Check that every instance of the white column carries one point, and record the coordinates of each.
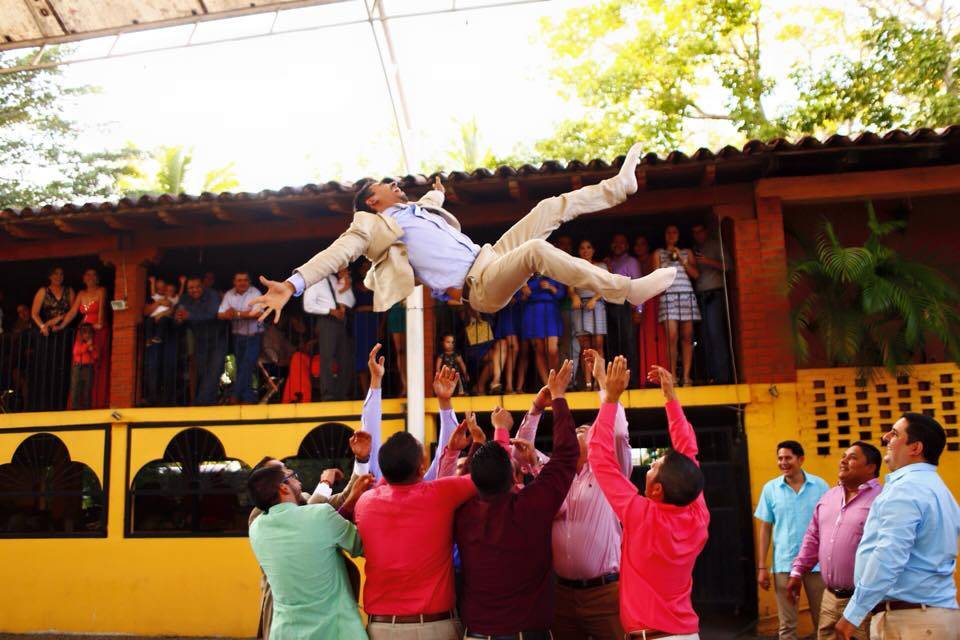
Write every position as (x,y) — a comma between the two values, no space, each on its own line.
(416,391)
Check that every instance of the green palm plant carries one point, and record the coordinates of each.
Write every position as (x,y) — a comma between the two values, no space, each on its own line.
(867,306)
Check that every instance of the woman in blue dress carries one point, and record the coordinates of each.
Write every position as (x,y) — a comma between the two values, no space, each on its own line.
(506,333)
(542,325)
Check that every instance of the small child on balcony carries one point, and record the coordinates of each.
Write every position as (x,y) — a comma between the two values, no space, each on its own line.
(159,322)
(450,358)
(84,357)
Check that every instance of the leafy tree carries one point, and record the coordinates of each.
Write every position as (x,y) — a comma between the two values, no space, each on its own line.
(172,173)
(42,161)
(868,306)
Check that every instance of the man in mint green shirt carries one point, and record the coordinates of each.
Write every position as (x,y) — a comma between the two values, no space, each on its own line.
(297,546)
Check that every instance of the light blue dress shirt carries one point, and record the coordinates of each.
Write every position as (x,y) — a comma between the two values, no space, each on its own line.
(440,255)
(909,547)
(790,513)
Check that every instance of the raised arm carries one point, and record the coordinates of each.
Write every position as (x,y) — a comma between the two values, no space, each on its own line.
(616,487)
(444,386)
(682,436)
(371,416)
(529,426)
(621,428)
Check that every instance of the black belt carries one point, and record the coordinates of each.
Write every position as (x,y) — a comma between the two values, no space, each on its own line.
(841,593)
(896,605)
(591,583)
(523,635)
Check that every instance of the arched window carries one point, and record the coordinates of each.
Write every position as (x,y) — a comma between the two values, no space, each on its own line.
(325,447)
(42,492)
(194,490)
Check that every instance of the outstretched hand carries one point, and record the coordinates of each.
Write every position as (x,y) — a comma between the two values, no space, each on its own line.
(277,295)
(542,401)
(618,376)
(501,418)
(361,444)
(526,450)
(438,186)
(598,365)
(445,383)
(659,375)
(376,366)
(460,438)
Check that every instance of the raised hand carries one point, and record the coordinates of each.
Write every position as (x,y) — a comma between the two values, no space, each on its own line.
(475,431)
(360,485)
(659,375)
(501,418)
(361,444)
(331,476)
(528,453)
(445,383)
(542,401)
(597,364)
(438,185)
(376,367)
(617,378)
(460,438)
(557,381)
(277,295)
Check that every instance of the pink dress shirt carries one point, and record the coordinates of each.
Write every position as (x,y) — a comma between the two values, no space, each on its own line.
(834,534)
(661,541)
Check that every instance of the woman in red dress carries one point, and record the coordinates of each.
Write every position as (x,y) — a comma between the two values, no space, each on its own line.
(652,335)
(90,302)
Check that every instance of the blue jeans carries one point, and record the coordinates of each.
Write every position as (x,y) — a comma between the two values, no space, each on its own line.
(210,348)
(713,329)
(247,350)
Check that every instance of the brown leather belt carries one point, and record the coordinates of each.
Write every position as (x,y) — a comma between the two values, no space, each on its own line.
(460,295)
(843,594)
(589,584)
(412,619)
(896,605)
(649,634)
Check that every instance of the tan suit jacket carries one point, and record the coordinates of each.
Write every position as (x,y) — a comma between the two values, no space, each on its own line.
(377,237)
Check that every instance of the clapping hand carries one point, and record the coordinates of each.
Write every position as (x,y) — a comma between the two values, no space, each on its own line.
(557,381)
(277,295)
(361,444)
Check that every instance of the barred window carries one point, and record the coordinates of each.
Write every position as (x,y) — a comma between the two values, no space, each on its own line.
(194,490)
(44,493)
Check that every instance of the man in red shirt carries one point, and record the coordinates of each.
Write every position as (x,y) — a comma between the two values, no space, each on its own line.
(406,526)
(504,535)
(664,530)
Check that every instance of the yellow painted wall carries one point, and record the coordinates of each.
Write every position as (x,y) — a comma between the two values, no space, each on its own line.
(208,586)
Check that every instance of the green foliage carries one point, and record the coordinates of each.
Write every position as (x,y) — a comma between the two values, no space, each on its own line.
(867,306)
(171,174)
(642,70)
(42,161)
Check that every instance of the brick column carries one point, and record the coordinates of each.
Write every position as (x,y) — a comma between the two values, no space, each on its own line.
(767,349)
(130,285)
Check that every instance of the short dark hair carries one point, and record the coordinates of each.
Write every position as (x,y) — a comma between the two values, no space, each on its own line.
(793,445)
(491,470)
(263,485)
(400,457)
(264,460)
(929,433)
(872,454)
(681,479)
(364,193)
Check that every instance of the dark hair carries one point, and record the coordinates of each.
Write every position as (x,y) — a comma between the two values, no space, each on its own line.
(263,486)
(681,479)
(929,433)
(400,457)
(364,193)
(491,470)
(242,272)
(52,269)
(872,454)
(264,460)
(793,445)
(698,224)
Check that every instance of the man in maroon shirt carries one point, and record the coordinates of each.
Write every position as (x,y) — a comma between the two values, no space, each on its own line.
(504,537)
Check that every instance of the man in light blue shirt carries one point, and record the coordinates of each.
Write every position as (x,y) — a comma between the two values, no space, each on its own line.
(239,308)
(908,553)
(785,509)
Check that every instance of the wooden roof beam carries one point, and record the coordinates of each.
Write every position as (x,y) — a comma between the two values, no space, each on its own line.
(127,222)
(79,227)
(30,232)
(171,219)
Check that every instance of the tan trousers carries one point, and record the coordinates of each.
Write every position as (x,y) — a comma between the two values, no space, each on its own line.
(585,613)
(931,623)
(787,609)
(502,268)
(831,610)
(439,630)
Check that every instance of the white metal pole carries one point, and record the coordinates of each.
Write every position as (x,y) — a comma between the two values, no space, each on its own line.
(416,378)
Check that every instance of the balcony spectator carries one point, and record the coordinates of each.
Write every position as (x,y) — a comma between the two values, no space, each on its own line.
(328,302)
(85,357)
(22,322)
(160,352)
(366,327)
(506,332)
(210,284)
(449,357)
(652,335)
(678,305)
(48,379)
(479,335)
(198,312)
(589,314)
(542,324)
(567,345)
(91,303)
(246,331)
(710,295)
(622,338)
(397,328)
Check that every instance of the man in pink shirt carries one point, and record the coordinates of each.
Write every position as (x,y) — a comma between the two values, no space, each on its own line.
(406,525)
(834,535)
(664,530)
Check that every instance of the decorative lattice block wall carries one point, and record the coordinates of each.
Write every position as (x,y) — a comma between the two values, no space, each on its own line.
(835,408)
